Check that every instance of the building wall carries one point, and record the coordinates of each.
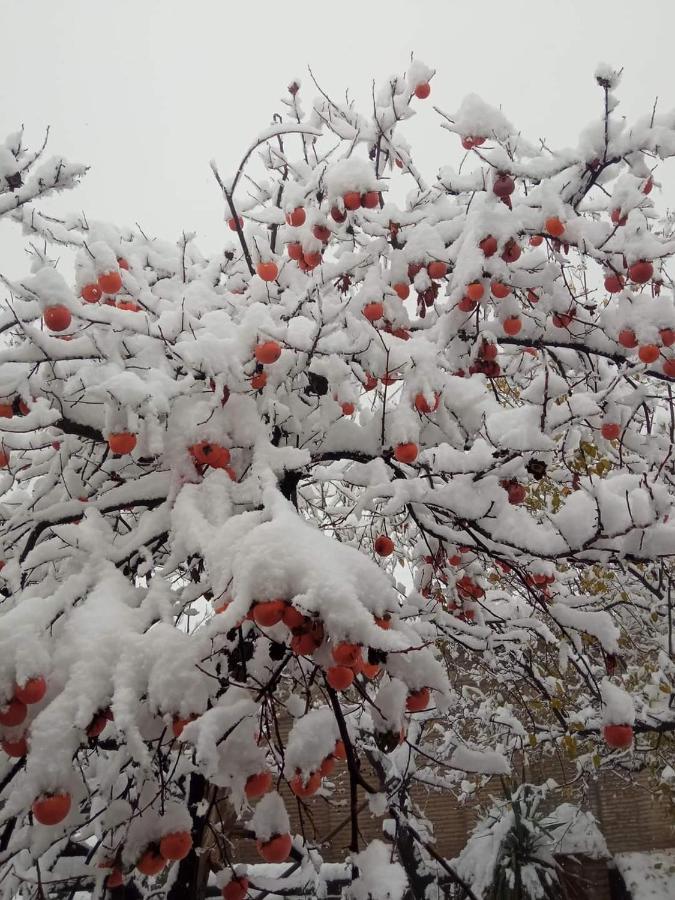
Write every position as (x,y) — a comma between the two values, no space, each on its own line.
(630,817)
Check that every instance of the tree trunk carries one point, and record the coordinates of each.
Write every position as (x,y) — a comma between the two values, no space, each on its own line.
(190,883)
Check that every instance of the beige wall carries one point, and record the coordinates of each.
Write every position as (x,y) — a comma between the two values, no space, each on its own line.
(630,817)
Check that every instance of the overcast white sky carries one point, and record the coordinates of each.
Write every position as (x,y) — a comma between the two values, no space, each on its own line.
(147,91)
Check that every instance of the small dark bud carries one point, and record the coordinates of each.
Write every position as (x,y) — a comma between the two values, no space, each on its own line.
(318,384)
(277,651)
(14,181)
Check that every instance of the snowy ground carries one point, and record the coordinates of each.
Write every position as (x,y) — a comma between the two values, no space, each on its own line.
(648,876)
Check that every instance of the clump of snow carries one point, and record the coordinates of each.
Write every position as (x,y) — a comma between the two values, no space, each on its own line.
(617,705)
(418,73)
(483,761)
(576,831)
(270,818)
(607,76)
(380,877)
(476,118)
(311,739)
(50,287)
(388,713)
(352,174)
(648,876)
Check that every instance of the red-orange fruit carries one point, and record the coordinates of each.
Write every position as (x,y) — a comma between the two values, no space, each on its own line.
(554,227)
(277,849)
(268,271)
(13,713)
(418,700)
(346,654)
(96,726)
(122,442)
(437,269)
(352,200)
(268,613)
(257,785)
(312,260)
(383,546)
(618,737)
(32,691)
(475,290)
(617,218)
(57,317)
(516,493)
(641,271)
(373,311)
(422,405)
(151,862)
(327,766)
(51,809)
(628,339)
(302,787)
(179,724)
(91,293)
(321,233)
(500,290)
(503,185)
(175,845)
(268,352)
(339,677)
(115,879)
(293,618)
(110,282)
(488,245)
(512,325)
(406,453)
(237,889)
(206,453)
(511,252)
(16,749)
(296,217)
(613,283)
(370,670)
(303,644)
(648,353)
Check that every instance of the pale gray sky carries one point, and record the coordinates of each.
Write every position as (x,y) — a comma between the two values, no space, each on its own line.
(147,91)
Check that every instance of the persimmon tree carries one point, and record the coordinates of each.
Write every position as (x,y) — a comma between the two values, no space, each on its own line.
(395,466)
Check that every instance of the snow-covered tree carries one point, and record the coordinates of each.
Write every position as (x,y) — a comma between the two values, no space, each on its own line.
(396,466)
